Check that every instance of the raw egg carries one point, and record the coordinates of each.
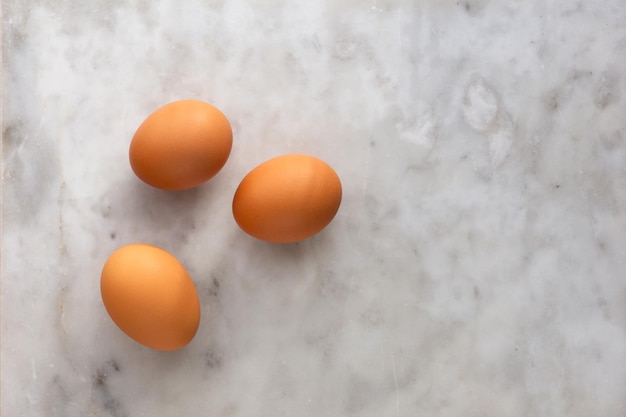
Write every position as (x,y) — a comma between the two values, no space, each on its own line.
(181,145)
(287,199)
(150,296)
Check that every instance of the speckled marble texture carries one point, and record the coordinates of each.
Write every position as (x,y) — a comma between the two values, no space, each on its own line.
(477,266)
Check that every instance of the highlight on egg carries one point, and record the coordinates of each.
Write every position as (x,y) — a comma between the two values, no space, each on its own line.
(287,199)
(150,296)
(181,145)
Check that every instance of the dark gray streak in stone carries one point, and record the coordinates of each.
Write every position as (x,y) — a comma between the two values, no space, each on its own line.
(100,383)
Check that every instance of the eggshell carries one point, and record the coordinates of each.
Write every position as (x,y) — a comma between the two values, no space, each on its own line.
(181,145)
(287,199)
(150,296)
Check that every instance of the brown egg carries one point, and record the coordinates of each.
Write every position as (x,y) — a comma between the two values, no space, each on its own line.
(181,145)
(287,199)
(150,296)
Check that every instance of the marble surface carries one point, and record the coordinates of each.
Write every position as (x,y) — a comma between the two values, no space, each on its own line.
(477,264)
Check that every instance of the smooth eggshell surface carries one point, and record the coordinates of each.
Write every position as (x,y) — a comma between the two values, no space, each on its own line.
(150,296)
(287,199)
(181,145)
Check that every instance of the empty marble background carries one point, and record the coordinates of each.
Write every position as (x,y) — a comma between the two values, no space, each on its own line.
(476,267)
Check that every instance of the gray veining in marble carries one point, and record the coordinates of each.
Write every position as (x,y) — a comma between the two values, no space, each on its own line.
(477,266)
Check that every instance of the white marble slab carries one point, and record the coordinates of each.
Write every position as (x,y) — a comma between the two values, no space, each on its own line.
(477,264)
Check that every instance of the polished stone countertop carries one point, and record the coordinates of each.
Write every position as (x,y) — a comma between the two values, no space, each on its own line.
(477,265)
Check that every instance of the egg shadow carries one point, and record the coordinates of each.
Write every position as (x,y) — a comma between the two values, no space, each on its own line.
(144,214)
(287,262)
